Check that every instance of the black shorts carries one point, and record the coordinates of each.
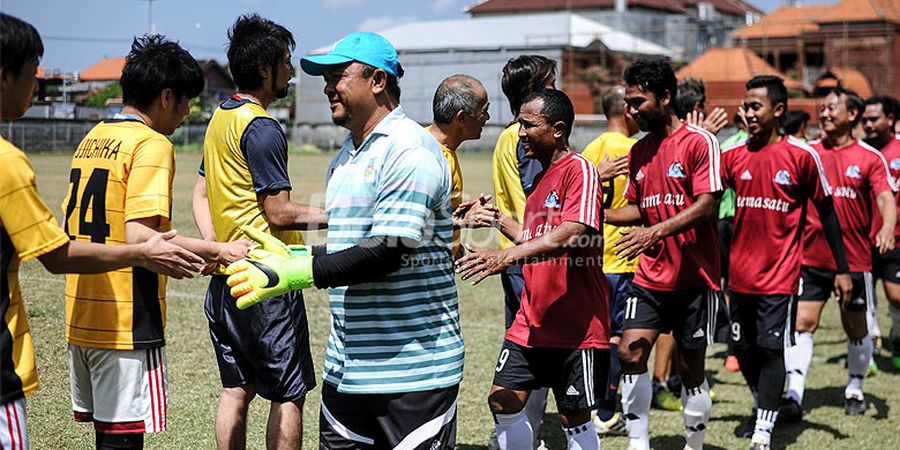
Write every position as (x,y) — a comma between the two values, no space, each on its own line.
(689,314)
(765,321)
(887,267)
(619,291)
(578,377)
(818,284)
(423,420)
(266,345)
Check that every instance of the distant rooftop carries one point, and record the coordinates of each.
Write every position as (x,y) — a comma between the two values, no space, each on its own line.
(734,7)
(548,30)
(736,65)
(108,69)
(791,21)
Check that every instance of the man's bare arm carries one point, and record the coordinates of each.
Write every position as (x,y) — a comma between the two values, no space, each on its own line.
(281,212)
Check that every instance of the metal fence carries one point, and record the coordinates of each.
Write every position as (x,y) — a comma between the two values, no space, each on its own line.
(65,135)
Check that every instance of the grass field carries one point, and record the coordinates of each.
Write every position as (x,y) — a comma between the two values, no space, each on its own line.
(194,380)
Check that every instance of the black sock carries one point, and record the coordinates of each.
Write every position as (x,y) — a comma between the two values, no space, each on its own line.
(749,361)
(128,441)
(772,371)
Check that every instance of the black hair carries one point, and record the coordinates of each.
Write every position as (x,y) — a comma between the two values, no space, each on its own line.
(794,120)
(393,83)
(775,89)
(888,105)
(653,75)
(523,75)
(853,101)
(255,42)
(20,44)
(691,91)
(557,107)
(155,64)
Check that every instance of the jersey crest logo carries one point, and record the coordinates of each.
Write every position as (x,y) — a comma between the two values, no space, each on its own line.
(676,171)
(370,169)
(783,178)
(895,164)
(639,176)
(552,200)
(746,176)
(853,171)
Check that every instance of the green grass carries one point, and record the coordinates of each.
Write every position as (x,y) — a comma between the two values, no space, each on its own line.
(194,380)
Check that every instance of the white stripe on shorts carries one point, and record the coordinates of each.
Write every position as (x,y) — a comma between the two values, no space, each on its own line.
(342,430)
(428,430)
(13,427)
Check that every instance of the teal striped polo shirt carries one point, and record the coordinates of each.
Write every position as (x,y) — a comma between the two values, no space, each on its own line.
(400,333)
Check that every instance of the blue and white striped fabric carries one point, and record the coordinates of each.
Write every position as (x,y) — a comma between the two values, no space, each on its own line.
(401,333)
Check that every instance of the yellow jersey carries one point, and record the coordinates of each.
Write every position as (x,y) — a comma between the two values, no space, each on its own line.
(613,145)
(121,171)
(513,175)
(244,155)
(27,230)
(456,188)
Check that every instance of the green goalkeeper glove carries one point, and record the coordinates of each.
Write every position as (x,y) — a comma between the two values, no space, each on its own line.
(269,270)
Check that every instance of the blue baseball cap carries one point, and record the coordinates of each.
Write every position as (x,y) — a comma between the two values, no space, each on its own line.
(368,48)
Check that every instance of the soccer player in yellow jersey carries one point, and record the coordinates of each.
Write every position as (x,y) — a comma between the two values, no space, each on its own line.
(244,182)
(513,177)
(460,111)
(29,230)
(609,152)
(121,192)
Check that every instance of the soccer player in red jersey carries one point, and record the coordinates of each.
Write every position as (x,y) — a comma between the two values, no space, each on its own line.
(673,186)
(774,178)
(877,121)
(559,338)
(857,173)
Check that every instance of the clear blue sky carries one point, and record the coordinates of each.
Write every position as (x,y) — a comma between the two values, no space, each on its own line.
(78,33)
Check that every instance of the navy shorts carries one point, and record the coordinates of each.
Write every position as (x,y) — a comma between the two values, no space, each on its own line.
(619,291)
(266,345)
(513,282)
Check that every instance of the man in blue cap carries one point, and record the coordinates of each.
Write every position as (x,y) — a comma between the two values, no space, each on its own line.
(394,359)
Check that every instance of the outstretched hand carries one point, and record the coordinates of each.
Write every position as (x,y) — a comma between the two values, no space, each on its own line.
(480,263)
(166,258)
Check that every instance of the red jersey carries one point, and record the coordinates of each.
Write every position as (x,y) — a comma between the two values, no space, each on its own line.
(773,186)
(856,174)
(891,152)
(664,178)
(565,303)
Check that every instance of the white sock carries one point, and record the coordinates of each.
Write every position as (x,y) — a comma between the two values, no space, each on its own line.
(796,361)
(859,353)
(636,396)
(894,312)
(582,437)
(696,403)
(513,431)
(534,410)
(765,421)
(872,318)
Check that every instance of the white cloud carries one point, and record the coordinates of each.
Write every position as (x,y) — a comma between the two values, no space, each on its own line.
(443,5)
(382,23)
(340,4)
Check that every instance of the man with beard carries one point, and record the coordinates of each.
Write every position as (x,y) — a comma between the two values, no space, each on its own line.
(243,182)
(877,121)
(673,187)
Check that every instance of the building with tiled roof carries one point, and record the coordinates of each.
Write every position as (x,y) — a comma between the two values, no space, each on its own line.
(856,37)
(107,69)
(688,27)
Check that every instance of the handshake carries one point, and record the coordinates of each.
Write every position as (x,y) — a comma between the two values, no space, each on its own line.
(270,269)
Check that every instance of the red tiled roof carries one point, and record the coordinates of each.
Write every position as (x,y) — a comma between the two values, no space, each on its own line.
(863,11)
(784,22)
(736,64)
(849,78)
(108,69)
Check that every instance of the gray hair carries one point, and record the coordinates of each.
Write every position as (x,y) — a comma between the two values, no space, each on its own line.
(614,102)
(456,93)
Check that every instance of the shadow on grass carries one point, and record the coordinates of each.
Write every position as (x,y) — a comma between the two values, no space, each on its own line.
(834,396)
(675,442)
